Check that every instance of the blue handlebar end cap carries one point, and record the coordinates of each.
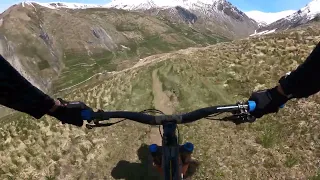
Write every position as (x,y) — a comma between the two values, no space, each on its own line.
(252,105)
(282,106)
(153,148)
(188,146)
(86,114)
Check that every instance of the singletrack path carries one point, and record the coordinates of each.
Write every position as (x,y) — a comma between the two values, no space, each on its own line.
(161,102)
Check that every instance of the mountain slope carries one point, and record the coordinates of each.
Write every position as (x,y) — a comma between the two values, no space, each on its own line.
(307,14)
(279,146)
(49,42)
(219,16)
(56,48)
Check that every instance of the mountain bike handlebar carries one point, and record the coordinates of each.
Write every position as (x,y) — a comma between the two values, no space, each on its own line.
(240,108)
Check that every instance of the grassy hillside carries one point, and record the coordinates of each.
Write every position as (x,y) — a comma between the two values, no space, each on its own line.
(279,146)
(57,49)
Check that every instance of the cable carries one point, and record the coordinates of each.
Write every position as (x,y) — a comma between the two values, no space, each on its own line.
(213,115)
(178,133)
(160,132)
(145,111)
(155,111)
(152,110)
(210,117)
(90,126)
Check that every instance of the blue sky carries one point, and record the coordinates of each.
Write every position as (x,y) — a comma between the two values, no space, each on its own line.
(269,5)
(244,5)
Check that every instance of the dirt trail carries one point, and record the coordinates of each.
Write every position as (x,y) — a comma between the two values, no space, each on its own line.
(161,102)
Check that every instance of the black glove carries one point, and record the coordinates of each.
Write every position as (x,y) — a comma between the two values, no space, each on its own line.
(69,112)
(268,101)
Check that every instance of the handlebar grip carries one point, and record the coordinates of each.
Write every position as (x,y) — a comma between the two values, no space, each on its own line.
(86,114)
(252,105)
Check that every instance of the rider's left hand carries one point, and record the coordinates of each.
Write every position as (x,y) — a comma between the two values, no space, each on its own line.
(69,112)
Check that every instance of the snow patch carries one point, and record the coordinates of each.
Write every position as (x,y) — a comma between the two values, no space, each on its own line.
(312,9)
(147,4)
(124,47)
(25,3)
(220,9)
(35,9)
(272,31)
(203,5)
(309,11)
(73,5)
(268,18)
(263,32)
(58,5)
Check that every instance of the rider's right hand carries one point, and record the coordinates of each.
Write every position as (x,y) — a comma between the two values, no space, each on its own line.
(267,101)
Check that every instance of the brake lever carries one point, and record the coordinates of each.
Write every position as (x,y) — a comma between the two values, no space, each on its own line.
(240,118)
(91,126)
(98,124)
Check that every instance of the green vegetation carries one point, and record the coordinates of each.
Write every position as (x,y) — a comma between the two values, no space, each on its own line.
(127,27)
(194,35)
(82,66)
(271,133)
(291,161)
(315,177)
(43,65)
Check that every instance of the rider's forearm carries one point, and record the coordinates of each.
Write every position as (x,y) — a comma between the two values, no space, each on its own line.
(19,94)
(304,81)
(280,90)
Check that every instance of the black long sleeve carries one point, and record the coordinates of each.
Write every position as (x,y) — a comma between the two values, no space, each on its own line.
(18,93)
(304,81)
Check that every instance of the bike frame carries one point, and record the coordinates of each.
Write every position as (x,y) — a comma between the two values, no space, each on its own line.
(170,154)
